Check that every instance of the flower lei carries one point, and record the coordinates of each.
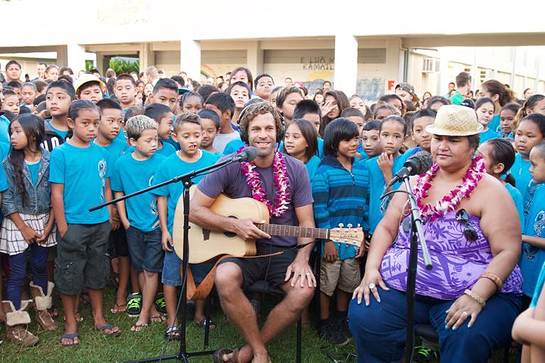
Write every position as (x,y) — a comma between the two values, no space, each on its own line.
(282,197)
(450,201)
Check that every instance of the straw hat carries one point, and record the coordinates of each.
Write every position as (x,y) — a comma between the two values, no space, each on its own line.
(454,120)
(87,78)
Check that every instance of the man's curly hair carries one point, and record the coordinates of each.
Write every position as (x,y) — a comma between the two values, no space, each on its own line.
(259,108)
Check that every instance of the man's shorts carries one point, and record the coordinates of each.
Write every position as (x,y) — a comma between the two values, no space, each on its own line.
(82,258)
(343,275)
(271,269)
(145,249)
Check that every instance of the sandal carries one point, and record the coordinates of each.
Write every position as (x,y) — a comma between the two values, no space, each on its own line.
(202,323)
(72,338)
(172,333)
(108,329)
(138,327)
(221,353)
(118,308)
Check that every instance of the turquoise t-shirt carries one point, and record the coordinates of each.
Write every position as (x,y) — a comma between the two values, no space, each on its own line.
(532,258)
(488,134)
(130,175)
(34,170)
(4,129)
(233,146)
(312,166)
(539,287)
(517,199)
(320,151)
(377,185)
(4,150)
(61,133)
(172,167)
(166,150)
(82,170)
(521,172)
(117,148)
(494,124)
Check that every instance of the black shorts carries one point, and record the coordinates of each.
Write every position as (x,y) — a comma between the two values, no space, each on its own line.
(271,269)
(118,243)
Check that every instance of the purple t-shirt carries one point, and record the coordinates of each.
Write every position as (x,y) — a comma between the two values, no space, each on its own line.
(231,182)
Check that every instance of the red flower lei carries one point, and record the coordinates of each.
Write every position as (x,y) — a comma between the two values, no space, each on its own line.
(450,201)
(282,197)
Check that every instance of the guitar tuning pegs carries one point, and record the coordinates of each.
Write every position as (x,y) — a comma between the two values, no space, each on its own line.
(349,225)
(341,225)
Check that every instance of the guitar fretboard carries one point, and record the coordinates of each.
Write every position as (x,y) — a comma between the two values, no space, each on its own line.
(293,231)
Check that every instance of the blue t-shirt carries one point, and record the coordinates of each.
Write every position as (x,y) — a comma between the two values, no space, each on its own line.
(130,175)
(539,287)
(4,129)
(61,133)
(34,170)
(517,199)
(494,124)
(172,167)
(490,133)
(521,172)
(532,258)
(172,142)
(233,146)
(82,170)
(166,150)
(4,150)
(117,148)
(320,147)
(377,185)
(312,166)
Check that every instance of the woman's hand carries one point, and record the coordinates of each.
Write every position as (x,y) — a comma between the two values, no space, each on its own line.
(463,308)
(47,231)
(369,284)
(330,252)
(30,235)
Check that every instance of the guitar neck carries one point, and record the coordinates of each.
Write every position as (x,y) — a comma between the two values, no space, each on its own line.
(293,231)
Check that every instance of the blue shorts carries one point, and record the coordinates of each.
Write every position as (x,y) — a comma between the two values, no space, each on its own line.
(172,270)
(145,250)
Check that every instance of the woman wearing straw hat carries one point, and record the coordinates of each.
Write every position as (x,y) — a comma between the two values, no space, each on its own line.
(472,295)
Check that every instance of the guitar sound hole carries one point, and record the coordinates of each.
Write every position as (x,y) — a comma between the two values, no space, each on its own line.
(230,234)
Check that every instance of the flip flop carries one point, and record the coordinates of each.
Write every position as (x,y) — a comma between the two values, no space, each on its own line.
(220,353)
(108,329)
(172,333)
(72,337)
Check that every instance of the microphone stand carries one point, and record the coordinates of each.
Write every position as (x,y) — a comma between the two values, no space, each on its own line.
(187,181)
(417,236)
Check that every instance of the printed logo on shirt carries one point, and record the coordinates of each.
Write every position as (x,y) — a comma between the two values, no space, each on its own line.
(539,224)
(102,168)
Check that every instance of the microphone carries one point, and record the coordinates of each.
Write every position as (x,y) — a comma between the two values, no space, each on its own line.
(248,154)
(417,164)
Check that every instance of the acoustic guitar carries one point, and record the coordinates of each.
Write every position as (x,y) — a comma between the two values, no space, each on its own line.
(205,244)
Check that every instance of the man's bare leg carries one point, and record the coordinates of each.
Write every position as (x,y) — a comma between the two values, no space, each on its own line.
(282,315)
(240,311)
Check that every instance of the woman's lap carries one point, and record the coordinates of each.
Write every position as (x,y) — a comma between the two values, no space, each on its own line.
(380,328)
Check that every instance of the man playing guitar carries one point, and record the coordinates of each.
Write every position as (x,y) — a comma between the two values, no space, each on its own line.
(282,183)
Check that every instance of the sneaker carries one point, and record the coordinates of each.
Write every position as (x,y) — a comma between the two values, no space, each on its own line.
(134,304)
(160,303)
(332,332)
(424,354)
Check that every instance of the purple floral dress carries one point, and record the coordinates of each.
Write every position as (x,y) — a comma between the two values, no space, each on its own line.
(457,262)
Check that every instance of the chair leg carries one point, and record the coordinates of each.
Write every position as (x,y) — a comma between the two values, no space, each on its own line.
(206,324)
(298,340)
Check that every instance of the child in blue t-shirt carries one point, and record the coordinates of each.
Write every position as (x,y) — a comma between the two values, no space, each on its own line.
(188,132)
(499,156)
(78,182)
(370,139)
(300,142)
(340,190)
(530,132)
(210,123)
(382,168)
(533,233)
(26,231)
(164,118)
(132,172)
(58,97)
(109,128)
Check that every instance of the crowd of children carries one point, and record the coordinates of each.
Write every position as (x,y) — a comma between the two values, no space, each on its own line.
(71,144)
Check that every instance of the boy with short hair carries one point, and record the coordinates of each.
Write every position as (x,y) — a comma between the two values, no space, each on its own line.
(125,90)
(210,123)
(28,95)
(59,96)
(188,132)
(10,102)
(224,106)
(164,118)
(132,172)
(370,139)
(165,92)
(420,120)
(89,87)
(78,182)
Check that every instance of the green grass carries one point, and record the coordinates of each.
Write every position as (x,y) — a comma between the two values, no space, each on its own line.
(96,347)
